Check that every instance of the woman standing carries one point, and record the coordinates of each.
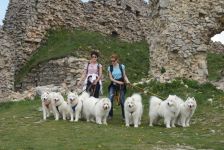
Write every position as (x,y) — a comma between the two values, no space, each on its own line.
(92,74)
(119,80)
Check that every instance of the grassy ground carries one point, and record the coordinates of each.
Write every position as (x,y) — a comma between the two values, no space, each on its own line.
(22,126)
(215,65)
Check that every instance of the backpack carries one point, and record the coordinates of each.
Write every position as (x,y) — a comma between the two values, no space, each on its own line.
(122,78)
(111,70)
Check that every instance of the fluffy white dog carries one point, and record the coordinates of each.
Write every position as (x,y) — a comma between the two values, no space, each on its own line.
(133,110)
(59,105)
(168,109)
(95,109)
(187,110)
(75,106)
(46,105)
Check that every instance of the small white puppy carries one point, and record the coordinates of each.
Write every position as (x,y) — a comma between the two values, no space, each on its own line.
(133,110)
(46,105)
(75,106)
(187,110)
(168,109)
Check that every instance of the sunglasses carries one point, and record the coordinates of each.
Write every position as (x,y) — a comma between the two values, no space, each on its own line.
(93,57)
(113,60)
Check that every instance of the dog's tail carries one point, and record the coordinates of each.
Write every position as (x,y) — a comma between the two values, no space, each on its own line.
(137,97)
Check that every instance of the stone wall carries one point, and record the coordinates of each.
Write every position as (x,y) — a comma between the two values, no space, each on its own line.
(65,70)
(181,34)
(6,65)
(178,32)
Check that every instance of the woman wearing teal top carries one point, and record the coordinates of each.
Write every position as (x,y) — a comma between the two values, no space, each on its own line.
(119,80)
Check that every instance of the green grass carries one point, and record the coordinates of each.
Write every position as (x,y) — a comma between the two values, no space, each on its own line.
(22,126)
(215,65)
(62,42)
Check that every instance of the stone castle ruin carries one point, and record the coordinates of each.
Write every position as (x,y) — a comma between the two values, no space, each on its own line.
(178,32)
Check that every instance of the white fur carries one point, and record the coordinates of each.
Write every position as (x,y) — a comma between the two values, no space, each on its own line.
(102,109)
(75,106)
(187,110)
(59,102)
(168,109)
(133,110)
(46,105)
(95,109)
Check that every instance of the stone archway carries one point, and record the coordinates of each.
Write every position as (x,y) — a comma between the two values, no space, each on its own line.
(180,37)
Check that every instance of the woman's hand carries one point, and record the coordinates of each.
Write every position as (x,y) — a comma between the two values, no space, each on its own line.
(120,82)
(95,82)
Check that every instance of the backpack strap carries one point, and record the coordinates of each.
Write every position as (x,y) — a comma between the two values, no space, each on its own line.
(87,68)
(121,71)
(98,69)
(111,68)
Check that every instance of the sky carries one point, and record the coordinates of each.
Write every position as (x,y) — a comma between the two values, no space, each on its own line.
(3,8)
(4,5)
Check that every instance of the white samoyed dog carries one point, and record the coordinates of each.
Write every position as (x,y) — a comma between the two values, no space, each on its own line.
(75,106)
(96,110)
(168,109)
(133,110)
(59,105)
(46,105)
(187,110)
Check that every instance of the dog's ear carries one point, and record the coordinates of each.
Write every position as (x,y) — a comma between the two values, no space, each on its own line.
(193,99)
(188,98)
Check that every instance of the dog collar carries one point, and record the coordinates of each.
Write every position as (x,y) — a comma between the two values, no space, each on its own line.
(73,107)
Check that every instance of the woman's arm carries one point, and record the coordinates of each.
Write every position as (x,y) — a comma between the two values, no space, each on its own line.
(113,80)
(83,76)
(100,75)
(125,77)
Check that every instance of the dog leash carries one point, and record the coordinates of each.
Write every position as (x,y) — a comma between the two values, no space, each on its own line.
(117,95)
(81,92)
(91,92)
(145,92)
